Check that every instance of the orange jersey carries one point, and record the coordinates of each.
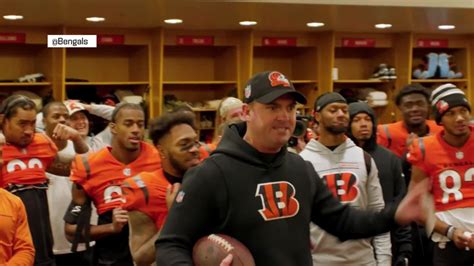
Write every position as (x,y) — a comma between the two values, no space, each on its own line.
(450,169)
(27,165)
(206,149)
(146,192)
(394,136)
(16,245)
(101,175)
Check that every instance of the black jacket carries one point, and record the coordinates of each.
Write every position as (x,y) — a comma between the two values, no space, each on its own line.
(266,201)
(390,175)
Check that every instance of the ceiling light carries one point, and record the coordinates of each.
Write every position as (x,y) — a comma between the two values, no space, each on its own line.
(446,27)
(248,23)
(13,17)
(315,24)
(383,26)
(173,21)
(95,19)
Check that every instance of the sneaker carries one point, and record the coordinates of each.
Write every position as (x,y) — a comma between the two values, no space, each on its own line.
(37,77)
(382,72)
(392,74)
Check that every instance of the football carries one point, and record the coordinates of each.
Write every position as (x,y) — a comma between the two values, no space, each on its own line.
(212,249)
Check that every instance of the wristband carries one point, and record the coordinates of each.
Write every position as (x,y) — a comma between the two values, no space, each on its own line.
(450,232)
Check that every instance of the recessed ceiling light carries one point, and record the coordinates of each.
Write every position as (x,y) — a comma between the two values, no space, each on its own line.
(95,19)
(248,23)
(383,26)
(173,21)
(446,27)
(314,24)
(13,17)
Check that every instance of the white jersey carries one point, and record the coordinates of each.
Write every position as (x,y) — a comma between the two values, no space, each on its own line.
(59,198)
(344,171)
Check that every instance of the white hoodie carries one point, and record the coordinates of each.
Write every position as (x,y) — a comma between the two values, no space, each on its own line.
(345,173)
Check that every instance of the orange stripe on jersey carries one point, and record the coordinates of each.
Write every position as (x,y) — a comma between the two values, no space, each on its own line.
(103,184)
(28,165)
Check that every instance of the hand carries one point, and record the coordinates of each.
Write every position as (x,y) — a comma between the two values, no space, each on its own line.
(312,243)
(64,132)
(119,219)
(410,139)
(2,139)
(227,261)
(171,192)
(414,207)
(402,260)
(462,240)
(471,242)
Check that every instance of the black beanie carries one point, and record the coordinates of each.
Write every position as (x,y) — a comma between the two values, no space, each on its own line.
(361,107)
(328,98)
(446,97)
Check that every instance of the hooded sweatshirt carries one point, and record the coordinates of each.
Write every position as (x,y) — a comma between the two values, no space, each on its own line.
(390,176)
(266,201)
(345,173)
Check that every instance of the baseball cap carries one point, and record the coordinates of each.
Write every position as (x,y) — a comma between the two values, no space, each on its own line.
(265,87)
(74,106)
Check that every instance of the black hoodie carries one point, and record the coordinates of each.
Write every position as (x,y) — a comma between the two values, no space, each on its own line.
(390,176)
(266,201)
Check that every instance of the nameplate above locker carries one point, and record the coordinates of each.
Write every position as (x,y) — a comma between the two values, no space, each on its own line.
(109,39)
(195,40)
(278,41)
(12,37)
(432,43)
(358,42)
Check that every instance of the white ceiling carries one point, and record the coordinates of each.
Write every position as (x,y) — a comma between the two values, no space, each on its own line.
(209,14)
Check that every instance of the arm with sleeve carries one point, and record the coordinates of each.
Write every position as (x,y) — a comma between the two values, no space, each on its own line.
(381,243)
(23,249)
(102,110)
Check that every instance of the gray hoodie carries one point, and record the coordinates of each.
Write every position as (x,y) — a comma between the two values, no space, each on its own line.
(345,173)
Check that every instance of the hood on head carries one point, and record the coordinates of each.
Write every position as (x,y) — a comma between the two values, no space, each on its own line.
(363,107)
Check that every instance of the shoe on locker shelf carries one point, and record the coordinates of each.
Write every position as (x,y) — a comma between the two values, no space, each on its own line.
(382,72)
(377,99)
(392,73)
(35,77)
(428,68)
(448,69)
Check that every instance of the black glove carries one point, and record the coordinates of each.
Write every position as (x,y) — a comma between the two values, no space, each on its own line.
(402,260)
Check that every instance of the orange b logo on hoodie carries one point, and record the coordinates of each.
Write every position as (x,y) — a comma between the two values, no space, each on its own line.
(278,200)
(343,186)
